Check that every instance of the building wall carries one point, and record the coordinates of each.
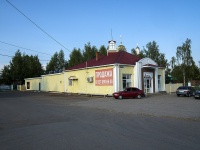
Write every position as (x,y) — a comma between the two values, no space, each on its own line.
(34,83)
(81,84)
(53,82)
(125,70)
(161,72)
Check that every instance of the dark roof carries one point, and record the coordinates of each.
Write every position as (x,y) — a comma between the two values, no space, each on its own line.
(121,57)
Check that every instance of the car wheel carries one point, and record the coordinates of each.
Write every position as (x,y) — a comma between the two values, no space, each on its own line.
(139,96)
(178,95)
(120,97)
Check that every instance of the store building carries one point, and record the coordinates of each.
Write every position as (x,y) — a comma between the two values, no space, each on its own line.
(104,75)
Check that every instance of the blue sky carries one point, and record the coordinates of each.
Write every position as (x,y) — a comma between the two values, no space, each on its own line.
(73,23)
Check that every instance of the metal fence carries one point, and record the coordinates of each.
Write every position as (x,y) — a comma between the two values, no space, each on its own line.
(5,87)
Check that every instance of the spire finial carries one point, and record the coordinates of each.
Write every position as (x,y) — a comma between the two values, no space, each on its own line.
(120,39)
(111,34)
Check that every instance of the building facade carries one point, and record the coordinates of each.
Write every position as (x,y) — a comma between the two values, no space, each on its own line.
(104,75)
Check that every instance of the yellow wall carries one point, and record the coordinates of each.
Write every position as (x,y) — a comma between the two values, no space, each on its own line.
(59,82)
(34,83)
(53,82)
(83,86)
(126,70)
(21,87)
(161,72)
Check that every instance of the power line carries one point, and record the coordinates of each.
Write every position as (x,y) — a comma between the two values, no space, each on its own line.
(37,25)
(5,55)
(13,56)
(24,48)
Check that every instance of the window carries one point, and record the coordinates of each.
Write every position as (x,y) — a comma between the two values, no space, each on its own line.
(70,82)
(128,89)
(134,89)
(126,80)
(28,85)
(159,81)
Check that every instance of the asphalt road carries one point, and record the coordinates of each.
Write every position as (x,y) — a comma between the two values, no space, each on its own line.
(34,121)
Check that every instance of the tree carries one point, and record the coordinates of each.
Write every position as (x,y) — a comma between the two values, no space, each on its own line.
(153,52)
(6,75)
(21,66)
(16,67)
(121,48)
(61,60)
(53,64)
(76,57)
(173,62)
(35,67)
(89,52)
(103,50)
(57,62)
(185,68)
(183,53)
(141,54)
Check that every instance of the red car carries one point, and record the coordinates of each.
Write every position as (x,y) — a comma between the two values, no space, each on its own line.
(130,92)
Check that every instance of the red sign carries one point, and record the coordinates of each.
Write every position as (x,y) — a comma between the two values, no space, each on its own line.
(104,77)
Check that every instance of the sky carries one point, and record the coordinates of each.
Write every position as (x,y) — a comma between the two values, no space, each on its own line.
(73,23)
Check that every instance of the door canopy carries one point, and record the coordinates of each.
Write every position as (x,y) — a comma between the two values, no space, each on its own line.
(147,62)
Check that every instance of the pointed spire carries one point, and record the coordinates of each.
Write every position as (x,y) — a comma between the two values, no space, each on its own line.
(111,35)
(137,50)
(120,39)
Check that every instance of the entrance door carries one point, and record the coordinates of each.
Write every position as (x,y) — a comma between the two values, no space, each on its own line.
(148,82)
(75,86)
(148,85)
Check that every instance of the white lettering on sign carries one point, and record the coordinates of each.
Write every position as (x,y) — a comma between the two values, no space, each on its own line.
(104,77)
(104,74)
(148,75)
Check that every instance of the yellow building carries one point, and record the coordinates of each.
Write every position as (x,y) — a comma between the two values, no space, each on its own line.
(49,82)
(104,75)
(33,83)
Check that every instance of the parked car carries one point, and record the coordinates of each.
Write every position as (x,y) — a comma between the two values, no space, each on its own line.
(197,94)
(185,91)
(130,92)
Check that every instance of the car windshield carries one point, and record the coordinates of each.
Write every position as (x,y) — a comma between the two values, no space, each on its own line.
(183,87)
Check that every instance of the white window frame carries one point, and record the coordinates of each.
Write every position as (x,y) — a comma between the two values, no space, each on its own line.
(127,79)
(159,82)
(69,82)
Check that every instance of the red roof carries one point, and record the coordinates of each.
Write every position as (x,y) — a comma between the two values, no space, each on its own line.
(121,57)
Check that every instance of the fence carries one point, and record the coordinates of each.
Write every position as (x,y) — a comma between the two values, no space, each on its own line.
(21,88)
(5,87)
(170,88)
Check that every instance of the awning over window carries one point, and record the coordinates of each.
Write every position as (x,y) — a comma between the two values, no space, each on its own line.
(73,78)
